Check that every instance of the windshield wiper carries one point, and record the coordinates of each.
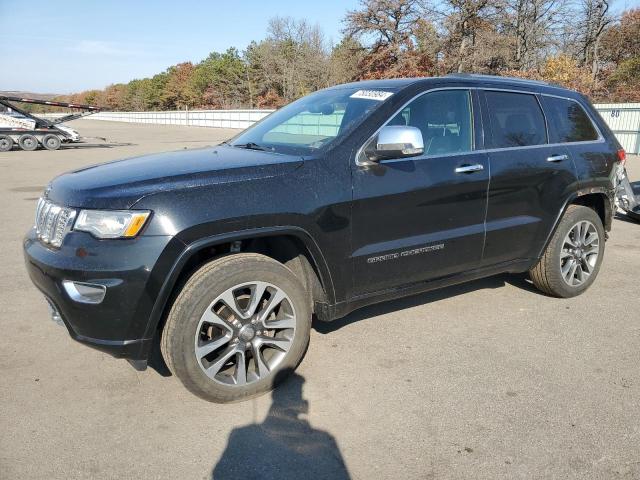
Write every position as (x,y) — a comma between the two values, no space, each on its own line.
(252,146)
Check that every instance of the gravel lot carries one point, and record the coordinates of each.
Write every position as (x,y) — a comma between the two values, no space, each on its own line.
(486,380)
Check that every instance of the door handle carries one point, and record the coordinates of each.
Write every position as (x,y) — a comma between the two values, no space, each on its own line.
(470,168)
(557,158)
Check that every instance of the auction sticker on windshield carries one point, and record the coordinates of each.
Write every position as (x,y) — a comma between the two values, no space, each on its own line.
(379,95)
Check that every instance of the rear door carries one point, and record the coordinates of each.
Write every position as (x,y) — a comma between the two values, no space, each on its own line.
(422,217)
(530,178)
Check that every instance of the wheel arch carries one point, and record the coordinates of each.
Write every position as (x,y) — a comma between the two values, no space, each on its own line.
(598,199)
(292,246)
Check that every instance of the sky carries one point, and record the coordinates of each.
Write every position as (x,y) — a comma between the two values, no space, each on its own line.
(67,46)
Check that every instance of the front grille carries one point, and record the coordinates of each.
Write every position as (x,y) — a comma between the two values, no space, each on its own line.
(53,222)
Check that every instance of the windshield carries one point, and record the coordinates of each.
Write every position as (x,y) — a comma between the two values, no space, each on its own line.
(313,122)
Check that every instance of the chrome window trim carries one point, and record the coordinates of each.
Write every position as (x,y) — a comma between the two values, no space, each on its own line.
(426,157)
(368,163)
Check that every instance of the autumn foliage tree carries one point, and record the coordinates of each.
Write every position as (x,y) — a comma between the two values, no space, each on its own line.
(390,31)
(179,89)
(580,45)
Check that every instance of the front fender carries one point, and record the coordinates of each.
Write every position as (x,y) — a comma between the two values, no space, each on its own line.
(174,265)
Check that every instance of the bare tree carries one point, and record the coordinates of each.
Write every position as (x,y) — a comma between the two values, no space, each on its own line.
(395,33)
(592,21)
(533,24)
(388,22)
(465,20)
(292,61)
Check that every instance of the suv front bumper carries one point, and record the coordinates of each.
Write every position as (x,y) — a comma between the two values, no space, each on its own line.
(124,268)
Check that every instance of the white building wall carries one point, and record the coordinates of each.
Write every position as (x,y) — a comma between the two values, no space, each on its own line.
(624,120)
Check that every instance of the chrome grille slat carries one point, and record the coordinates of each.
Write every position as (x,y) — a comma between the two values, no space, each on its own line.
(45,214)
(53,222)
(52,218)
(38,212)
(48,223)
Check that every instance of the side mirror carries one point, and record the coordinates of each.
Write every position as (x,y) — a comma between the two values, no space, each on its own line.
(398,141)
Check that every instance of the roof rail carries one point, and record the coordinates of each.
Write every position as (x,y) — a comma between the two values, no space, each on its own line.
(498,78)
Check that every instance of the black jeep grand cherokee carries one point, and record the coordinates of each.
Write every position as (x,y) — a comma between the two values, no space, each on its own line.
(352,195)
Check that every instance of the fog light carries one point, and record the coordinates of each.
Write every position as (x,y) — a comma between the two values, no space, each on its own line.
(84,292)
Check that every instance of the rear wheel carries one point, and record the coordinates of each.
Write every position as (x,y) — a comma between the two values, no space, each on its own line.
(6,143)
(573,257)
(28,142)
(51,142)
(237,322)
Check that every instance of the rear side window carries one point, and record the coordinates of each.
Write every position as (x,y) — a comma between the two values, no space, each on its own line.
(516,120)
(568,121)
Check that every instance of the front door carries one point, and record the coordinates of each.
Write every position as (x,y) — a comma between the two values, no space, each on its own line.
(421,218)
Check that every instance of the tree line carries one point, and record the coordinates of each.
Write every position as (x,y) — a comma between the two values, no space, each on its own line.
(579,44)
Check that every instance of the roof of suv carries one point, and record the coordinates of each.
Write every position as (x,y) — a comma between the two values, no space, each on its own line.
(469,77)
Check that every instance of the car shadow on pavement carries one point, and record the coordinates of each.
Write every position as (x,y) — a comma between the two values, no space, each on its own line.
(623,217)
(517,280)
(285,445)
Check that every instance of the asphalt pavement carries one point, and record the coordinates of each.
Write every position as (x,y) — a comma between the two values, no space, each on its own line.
(486,380)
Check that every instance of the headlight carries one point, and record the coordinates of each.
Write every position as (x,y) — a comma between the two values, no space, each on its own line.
(111,223)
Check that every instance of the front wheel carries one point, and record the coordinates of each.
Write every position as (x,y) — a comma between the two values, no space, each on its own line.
(237,323)
(573,257)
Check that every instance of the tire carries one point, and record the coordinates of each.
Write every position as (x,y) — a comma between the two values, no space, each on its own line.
(205,341)
(6,143)
(51,142)
(554,274)
(28,142)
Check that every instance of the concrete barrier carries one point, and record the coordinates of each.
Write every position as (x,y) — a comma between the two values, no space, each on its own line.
(193,118)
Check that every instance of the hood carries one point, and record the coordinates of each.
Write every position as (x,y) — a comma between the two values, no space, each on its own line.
(120,184)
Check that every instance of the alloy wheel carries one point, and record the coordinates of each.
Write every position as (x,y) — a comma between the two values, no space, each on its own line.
(245,333)
(580,251)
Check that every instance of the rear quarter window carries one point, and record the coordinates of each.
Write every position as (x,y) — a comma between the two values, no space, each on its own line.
(568,122)
(516,119)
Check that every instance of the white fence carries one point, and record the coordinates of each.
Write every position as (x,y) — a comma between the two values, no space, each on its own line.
(624,121)
(622,118)
(194,118)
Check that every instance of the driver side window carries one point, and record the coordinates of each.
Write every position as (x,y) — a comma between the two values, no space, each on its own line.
(444,118)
